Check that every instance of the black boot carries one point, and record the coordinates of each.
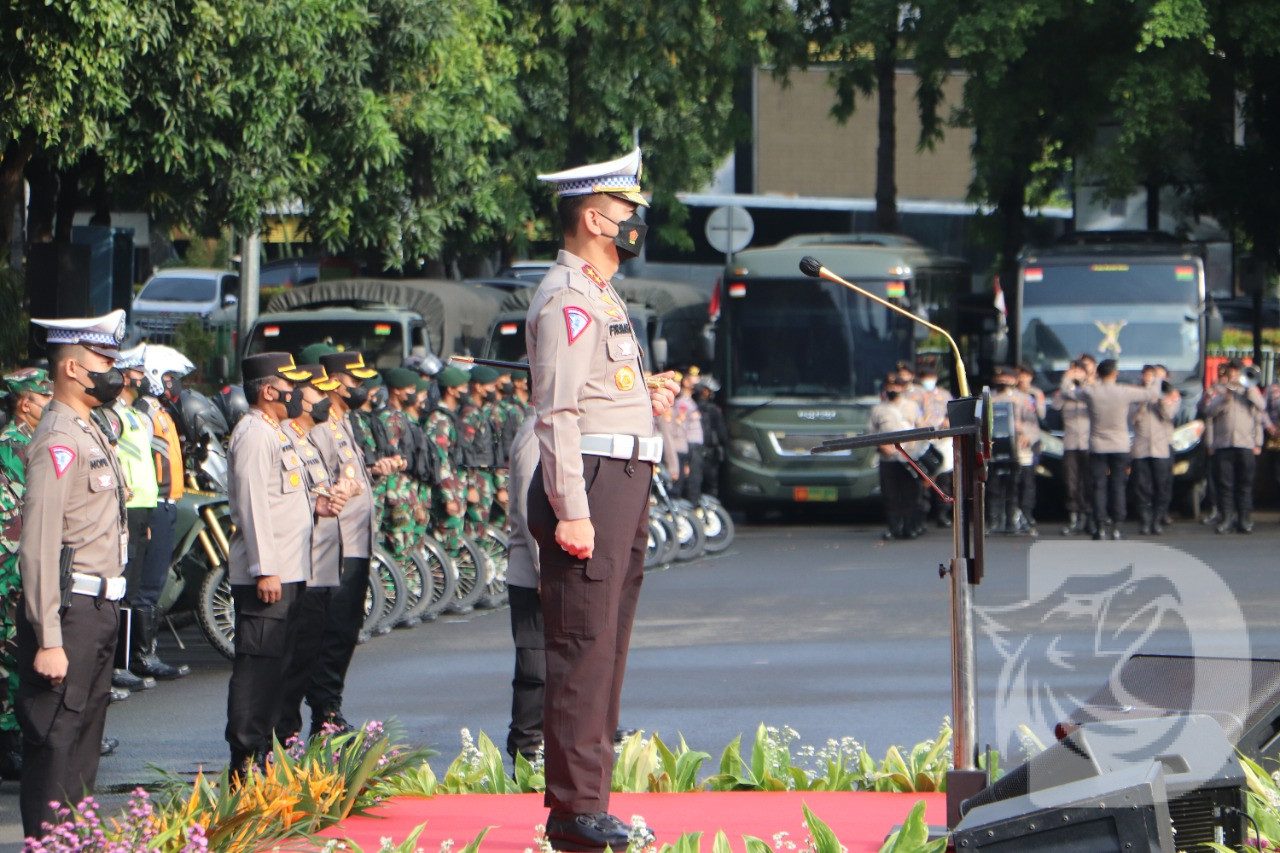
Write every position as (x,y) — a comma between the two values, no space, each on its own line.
(11,756)
(1146,529)
(1228,523)
(126,680)
(1246,523)
(145,660)
(1075,524)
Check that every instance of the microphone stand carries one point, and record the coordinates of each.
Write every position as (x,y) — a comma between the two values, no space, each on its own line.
(969,429)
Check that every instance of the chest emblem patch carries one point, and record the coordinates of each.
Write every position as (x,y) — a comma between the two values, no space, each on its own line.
(576,321)
(63,456)
(625,379)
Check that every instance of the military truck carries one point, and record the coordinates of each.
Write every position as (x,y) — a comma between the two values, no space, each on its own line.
(670,319)
(387,320)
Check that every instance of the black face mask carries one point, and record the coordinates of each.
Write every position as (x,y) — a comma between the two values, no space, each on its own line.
(320,411)
(630,236)
(107,384)
(357,396)
(491,397)
(893,395)
(292,403)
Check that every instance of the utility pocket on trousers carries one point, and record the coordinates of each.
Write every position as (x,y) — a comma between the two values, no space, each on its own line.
(38,705)
(575,600)
(261,637)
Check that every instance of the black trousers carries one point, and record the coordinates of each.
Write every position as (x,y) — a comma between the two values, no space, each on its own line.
(711,470)
(158,555)
(529,682)
(588,607)
(342,630)
(308,636)
(1027,489)
(691,486)
(1110,473)
(901,494)
(264,636)
(1075,472)
(139,519)
(1002,492)
(1235,467)
(1153,487)
(62,726)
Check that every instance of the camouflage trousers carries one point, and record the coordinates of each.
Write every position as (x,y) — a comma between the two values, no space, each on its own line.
(447,526)
(501,497)
(10,590)
(404,519)
(481,480)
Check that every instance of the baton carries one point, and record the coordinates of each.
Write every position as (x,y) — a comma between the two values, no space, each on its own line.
(524,367)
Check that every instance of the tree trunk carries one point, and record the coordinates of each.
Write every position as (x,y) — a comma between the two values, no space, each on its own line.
(12,163)
(1153,206)
(68,202)
(43,181)
(886,150)
(1013,233)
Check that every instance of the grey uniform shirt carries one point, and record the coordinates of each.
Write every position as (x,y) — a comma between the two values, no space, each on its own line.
(75,498)
(894,416)
(267,493)
(1075,422)
(1109,404)
(1236,415)
(342,456)
(326,553)
(586,375)
(522,558)
(1153,428)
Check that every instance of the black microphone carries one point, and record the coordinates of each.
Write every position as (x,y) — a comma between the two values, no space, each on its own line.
(810,266)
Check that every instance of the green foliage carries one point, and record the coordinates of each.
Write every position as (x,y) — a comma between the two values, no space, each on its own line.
(648,764)
(196,342)
(15,324)
(913,837)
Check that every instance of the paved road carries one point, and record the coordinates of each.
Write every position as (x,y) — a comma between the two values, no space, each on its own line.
(823,628)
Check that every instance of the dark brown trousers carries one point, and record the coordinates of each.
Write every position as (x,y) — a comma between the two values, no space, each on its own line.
(588,608)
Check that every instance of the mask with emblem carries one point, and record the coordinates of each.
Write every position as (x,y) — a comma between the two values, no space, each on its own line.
(630,236)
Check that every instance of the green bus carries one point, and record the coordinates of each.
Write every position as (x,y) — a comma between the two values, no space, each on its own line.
(801,360)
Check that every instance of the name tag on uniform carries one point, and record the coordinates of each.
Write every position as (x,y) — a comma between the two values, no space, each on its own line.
(124,547)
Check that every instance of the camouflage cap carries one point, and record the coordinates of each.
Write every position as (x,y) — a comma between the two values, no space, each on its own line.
(29,380)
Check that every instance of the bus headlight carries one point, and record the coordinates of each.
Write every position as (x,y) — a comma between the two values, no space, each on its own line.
(1050,445)
(1187,436)
(746,449)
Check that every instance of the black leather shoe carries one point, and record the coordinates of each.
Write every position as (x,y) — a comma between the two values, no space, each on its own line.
(586,832)
(118,694)
(623,733)
(126,680)
(645,841)
(109,745)
(332,718)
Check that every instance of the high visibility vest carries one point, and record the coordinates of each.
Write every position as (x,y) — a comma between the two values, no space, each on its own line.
(169,472)
(134,451)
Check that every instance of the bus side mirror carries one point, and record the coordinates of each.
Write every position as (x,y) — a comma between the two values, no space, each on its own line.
(1212,324)
(660,352)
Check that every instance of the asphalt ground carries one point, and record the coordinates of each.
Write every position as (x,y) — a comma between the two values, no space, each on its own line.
(822,627)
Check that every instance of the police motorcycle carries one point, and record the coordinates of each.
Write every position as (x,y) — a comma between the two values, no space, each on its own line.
(717,524)
(687,536)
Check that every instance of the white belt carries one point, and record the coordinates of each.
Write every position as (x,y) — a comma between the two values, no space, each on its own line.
(92,585)
(621,446)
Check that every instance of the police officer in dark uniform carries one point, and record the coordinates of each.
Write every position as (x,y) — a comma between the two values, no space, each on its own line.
(587,503)
(72,553)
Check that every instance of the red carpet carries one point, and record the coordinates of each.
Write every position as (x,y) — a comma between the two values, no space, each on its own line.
(860,820)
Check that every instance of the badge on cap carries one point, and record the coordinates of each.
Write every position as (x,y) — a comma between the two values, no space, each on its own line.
(62,458)
(576,321)
(625,379)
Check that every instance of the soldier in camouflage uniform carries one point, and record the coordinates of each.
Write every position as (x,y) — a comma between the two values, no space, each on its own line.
(508,414)
(479,448)
(29,392)
(449,496)
(422,474)
(402,512)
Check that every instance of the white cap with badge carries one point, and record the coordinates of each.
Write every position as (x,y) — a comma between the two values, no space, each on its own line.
(133,358)
(100,334)
(620,177)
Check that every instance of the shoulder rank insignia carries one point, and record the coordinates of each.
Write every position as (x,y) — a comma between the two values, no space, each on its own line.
(590,272)
(576,321)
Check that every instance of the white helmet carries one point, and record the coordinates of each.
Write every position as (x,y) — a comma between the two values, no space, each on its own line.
(159,360)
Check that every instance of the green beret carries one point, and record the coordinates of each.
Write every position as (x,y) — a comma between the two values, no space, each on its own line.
(313,353)
(423,383)
(452,377)
(374,381)
(32,380)
(400,377)
(483,374)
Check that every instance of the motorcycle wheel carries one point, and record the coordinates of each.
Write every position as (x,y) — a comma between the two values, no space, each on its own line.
(473,573)
(657,544)
(690,536)
(375,599)
(388,571)
(717,524)
(445,588)
(494,544)
(428,559)
(217,612)
(672,548)
(417,588)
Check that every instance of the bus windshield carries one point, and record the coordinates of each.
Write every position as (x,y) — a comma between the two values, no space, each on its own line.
(803,338)
(1136,312)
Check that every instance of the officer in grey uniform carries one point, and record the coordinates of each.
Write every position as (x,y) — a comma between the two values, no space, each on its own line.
(71,555)
(1236,412)
(344,456)
(1075,461)
(1109,403)
(326,557)
(529,681)
(1152,457)
(270,559)
(587,503)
